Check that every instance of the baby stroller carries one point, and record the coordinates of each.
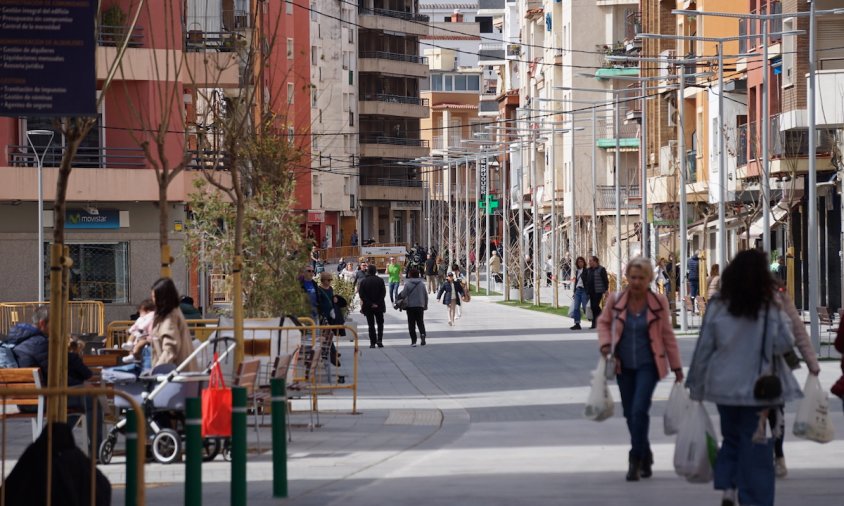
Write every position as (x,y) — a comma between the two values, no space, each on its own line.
(162,395)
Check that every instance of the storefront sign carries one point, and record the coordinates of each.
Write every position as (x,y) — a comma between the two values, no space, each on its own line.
(101,219)
(383,251)
(47,58)
(316,216)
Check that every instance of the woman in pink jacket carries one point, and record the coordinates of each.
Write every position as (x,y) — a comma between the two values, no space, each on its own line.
(635,328)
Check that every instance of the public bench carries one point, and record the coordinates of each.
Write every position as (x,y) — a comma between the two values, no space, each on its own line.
(23,378)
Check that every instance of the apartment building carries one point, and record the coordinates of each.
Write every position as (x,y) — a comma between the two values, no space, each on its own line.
(390,109)
(334,120)
(112,216)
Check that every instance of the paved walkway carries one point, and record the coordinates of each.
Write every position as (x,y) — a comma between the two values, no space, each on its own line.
(488,413)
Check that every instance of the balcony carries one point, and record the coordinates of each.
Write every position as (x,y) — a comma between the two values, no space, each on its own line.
(628,134)
(221,42)
(492,53)
(394,21)
(376,188)
(488,106)
(382,62)
(605,197)
(381,146)
(394,105)
(110,35)
(86,157)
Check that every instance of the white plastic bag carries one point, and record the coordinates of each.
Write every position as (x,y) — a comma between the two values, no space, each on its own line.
(675,409)
(697,446)
(599,405)
(812,421)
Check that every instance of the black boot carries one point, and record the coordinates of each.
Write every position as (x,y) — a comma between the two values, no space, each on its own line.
(633,469)
(646,466)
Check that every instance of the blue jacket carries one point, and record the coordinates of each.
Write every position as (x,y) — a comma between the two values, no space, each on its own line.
(32,350)
(445,292)
(693,267)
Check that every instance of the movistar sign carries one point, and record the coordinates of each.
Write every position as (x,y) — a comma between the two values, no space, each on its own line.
(101,218)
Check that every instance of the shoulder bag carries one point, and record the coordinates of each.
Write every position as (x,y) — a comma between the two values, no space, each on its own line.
(768,386)
(401,302)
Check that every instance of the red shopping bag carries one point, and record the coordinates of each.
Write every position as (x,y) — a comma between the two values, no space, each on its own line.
(216,405)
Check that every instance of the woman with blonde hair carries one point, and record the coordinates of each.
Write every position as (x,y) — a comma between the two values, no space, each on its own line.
(635,329)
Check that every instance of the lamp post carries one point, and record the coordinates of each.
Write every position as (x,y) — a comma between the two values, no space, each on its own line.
(40,162)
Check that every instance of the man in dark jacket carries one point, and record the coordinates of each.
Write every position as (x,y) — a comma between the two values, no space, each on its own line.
(372,292)
(431,273)
(32,350)
(597,284)
(693,273)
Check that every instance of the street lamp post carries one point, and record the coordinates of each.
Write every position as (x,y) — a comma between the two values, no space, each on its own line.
(40,162)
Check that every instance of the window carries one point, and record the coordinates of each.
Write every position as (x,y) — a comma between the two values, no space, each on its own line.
(448,82)
(351,35)
(351,77)
(289,49)
(436,82)
(291,135)
(314,97)
(460,83)
(314,55)
(315,144)
(485,23)
(351,118)
(289,93)
(100,272)
(289,6)
(789,45)
(347,190)
(313,10)
(474,83)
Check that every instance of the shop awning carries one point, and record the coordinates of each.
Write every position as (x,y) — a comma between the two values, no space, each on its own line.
(779,213)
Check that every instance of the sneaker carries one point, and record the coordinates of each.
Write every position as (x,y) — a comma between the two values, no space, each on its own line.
(576,326)
(413,345)
(450,322)
(780,469)
(128,359)
(729,498)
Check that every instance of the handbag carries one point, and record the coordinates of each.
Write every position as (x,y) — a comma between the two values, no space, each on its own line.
(768,385)
(466,295)
(401,302)
(216,404)
(611,361)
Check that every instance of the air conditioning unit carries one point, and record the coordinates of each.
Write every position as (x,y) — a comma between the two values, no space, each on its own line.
(667,158)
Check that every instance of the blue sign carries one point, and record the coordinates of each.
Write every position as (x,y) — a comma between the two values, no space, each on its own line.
(102,218)
(47,58)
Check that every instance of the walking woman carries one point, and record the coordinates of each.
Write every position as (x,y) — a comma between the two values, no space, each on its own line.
(451,291)
(416,295)
(635,328)
(744,336)
(713,282)
(580,297)
(171,341)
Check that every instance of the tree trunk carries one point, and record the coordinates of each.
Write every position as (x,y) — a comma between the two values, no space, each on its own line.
(163,230)
(237,267)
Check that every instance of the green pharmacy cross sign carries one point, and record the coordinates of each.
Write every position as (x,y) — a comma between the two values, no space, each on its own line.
(488,203)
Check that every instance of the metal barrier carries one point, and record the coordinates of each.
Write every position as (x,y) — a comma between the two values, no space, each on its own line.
(135,442)
(117,331)
(84,316)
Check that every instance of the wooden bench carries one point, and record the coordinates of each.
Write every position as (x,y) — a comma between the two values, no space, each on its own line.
(23,378)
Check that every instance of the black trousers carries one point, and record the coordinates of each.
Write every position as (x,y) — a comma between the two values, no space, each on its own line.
(595,303)
(371,320)
(415,317)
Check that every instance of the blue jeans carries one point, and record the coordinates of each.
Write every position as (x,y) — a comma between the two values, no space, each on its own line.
(743,464)
(581,298)
(637,388)
(694,287)
(394,291)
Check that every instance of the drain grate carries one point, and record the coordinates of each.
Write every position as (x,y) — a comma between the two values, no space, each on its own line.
(431,417)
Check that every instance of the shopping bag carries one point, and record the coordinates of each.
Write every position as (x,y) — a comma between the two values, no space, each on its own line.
(599,404)
(812,421)
(589,314)
(696,447)
(675,409)
(216,405)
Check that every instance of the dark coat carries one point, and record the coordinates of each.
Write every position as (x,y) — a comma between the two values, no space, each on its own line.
(32,349)
(597,281)
(445,292)
(372,292)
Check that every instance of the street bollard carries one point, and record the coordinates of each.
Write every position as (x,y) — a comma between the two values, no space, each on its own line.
(238,448)
(193,453)
(131,458)
(279,407)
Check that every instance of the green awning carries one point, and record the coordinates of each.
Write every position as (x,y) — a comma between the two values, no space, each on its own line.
(615,72)
(630,142)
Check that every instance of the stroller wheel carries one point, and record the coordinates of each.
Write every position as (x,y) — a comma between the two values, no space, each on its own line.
(167,446)
(227,450)
(106,451)
(210,448)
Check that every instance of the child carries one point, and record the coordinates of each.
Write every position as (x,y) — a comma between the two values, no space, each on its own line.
(139,332)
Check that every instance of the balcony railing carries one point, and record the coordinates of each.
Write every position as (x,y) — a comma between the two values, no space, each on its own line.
(86,157)
(394,141)
(605,129)
(408,16)
(383,55)
(606,197)
(110,35)
(207,159)
(396,99)
(454,141)
(380,181)
(223,42)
